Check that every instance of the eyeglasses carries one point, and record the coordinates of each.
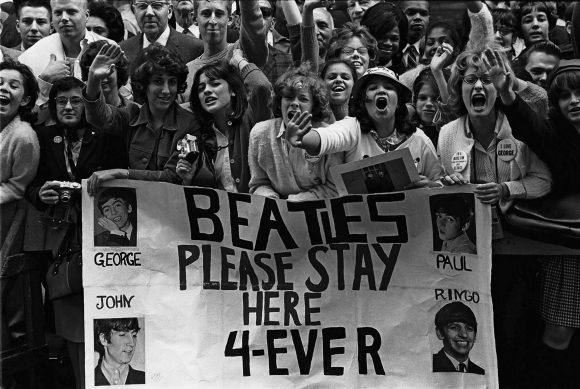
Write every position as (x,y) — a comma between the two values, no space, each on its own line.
(503,31)
(143,5)
(347,50)
(75,101)
(472,79)
(266,12)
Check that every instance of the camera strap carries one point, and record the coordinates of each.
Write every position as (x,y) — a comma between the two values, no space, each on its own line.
(69,160)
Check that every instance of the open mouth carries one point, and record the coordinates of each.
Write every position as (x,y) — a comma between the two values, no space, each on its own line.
(381,103)
(117,219)
(357,64)
(291,114)
(338,88)
(4,100)
(478,100)
(575,110)
(210,99)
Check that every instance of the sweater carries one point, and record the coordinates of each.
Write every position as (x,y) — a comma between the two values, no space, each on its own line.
(279,170)
(19,156)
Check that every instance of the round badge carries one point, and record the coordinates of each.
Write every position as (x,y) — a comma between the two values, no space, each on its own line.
(57,139)
(459,161)
(506,150)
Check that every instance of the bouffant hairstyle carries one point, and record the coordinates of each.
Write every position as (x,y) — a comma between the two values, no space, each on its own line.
(464,61)
(64,84)
(358,110)
(294,79)
(522,8)
(215,71)
(157,59)
(30,87)
(381,18)
(89,54)
(112,18)
(566,81)
(106,326)
(341,36)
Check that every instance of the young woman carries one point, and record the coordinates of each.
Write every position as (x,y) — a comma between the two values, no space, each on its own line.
(535,20)
(339,76)
(426,104)
(379,124)
(219,100)
(152,131)
(355,44)
(19,149)
(279,171)
(556,140)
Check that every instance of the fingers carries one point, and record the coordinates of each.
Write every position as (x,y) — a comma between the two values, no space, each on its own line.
(454,179)
(94,184)
(488,193)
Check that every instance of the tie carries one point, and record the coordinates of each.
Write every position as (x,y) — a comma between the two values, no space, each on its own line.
(412,57)
(461,367)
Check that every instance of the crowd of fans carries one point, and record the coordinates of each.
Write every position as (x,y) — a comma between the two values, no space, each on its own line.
(274,93)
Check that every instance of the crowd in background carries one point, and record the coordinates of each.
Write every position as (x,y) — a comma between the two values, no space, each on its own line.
(265,96)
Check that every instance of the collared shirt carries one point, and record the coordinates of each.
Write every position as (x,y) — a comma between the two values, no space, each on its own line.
(461,244)
(222,165)
(162,39)
(193,29)
(456,362)
(406,52)
(126,232)
(115,375)
(163,135)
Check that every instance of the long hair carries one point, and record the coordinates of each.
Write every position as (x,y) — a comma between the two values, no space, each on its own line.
(569,80)
(112,18)
(285,86)
(30,88)
(214,71)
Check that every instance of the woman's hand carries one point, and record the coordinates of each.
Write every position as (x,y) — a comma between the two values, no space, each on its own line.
(238,59)
(297,127)
(100,177)
(489,193)
(184,170)
(454,179)
(108,225)
(104,63)
(48,192)
(424,182)
(441,57)
(500,74)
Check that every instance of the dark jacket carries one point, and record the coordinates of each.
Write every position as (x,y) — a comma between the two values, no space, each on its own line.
(107,239)
(442,364)
(553,139)
(135,377)
(187,46)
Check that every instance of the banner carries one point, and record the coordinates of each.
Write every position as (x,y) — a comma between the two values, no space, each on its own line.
(190,287)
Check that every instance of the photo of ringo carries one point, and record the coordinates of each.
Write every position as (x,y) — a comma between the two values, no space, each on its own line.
(117,216)
(453,230)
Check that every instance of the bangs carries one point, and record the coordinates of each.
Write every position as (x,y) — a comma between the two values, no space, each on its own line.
(291,86)
(534,6)
(213,73)
(562,82)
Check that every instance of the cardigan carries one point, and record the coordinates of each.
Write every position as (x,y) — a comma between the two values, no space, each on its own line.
(346,135)
(19,156)
(281,171)
(529,175)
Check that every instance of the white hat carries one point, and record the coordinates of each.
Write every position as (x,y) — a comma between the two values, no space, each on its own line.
(381,71)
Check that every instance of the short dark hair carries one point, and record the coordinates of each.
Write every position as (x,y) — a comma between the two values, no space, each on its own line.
(126,194)
(112,18)
(456,206)
(455,312)
(88,56)
(546,47)
(350,30)
(317,88)
(214,71)
(35,4)
(381,18)
(335,61)
(64,84)
(453,32)
(157,59)
(106,326)
(30,87)
(522,8)
(505,17)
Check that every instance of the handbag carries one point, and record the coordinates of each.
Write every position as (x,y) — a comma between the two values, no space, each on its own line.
(554,218)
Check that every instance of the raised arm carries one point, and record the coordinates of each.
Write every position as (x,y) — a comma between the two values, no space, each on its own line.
(294,26)
(481,33)
(253,34)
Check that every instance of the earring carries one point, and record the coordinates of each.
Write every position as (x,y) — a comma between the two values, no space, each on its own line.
(233,94)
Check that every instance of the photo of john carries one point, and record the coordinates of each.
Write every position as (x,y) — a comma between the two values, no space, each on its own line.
(116,217)
(116,343)
(456,326)
(453,230)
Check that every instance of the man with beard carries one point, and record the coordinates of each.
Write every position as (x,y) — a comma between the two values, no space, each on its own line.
(417,13)
(33,22)
(115,341)
(118,210)
(456,326)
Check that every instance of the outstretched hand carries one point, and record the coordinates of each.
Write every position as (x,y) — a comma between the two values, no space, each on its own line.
(104,63)
(297,127)
(498,70)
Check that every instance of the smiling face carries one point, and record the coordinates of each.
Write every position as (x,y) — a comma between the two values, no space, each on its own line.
(119,350)
(426,100)
(381,99)
(212,18)
(214,95)
(535,27)
(458,339)
(539,65)
(569,104)
(12,94)
(294,102)
(340,81)
(117,210)
(389,45)
(478,96)
(69,18)
(437,36)
(70,107)
(152,17)
(161,92)
(356,52)
(33,25)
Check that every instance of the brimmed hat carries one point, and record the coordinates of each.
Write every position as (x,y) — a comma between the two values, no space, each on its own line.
(455,311)
(381,71)
(565,65)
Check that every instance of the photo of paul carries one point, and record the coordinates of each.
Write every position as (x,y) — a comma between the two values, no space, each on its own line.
(117,217)
(452,219)
(456,326)
(115,341)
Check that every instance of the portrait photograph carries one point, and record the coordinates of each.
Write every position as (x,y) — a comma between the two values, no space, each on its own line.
(116,217)
(453,222)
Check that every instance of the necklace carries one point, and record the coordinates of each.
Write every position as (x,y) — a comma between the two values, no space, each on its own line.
(389,143)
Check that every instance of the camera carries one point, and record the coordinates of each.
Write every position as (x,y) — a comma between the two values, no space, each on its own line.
(188,146)
(66,190)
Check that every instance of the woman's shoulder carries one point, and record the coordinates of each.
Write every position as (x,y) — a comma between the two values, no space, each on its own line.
(266,129)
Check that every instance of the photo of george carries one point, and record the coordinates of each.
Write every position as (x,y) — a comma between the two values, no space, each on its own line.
(117,341)
(456,327)
(451,218)
(116,217)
